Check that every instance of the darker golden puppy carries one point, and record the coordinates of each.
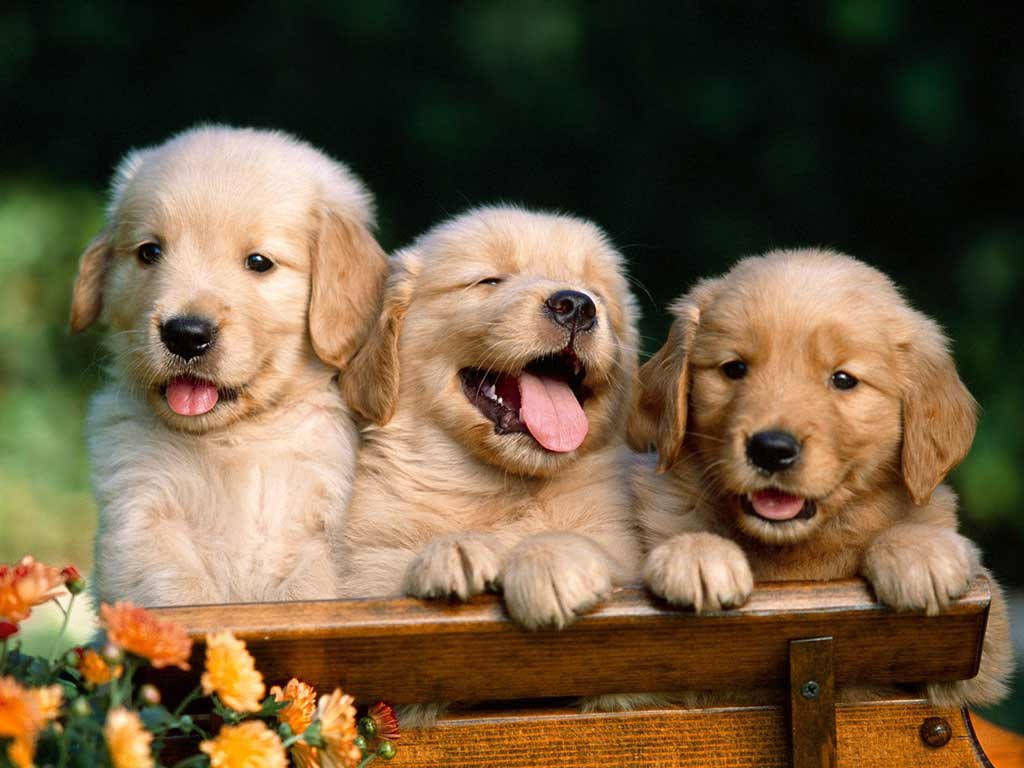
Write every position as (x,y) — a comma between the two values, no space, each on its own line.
(807,416)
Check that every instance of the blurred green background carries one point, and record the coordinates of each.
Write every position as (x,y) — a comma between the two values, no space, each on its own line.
(693,132)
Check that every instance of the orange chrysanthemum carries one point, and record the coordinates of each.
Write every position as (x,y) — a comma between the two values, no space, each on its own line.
(48,701)
(134,629)
(337,717)
(231,673)
(249,745)
(25,585)
(95,670)
(301,707)
(20,721)
(127,741)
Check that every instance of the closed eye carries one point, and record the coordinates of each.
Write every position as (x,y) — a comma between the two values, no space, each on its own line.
(490,281)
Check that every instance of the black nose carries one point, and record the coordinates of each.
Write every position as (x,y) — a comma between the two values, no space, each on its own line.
(773,450)
(573,309)
(187,336)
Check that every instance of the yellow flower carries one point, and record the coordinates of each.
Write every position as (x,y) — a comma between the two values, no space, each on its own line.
(25,585)
(337,717)
(305,756)
(127,741)
(133,629)
(301,707)
(231,673)
(95,670)
(249,745)
(20,721)
(48,701)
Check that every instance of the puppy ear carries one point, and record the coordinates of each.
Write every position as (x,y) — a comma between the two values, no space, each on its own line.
(939,414)
(370,383)
(348,272)
(659,416)
(87,295)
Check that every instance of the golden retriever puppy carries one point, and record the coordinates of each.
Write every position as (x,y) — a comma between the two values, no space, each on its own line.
(805,416)
(498,383)
(237,273)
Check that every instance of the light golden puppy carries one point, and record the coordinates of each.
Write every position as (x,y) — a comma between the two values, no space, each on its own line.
(498,380)
(805,416)
(237,274)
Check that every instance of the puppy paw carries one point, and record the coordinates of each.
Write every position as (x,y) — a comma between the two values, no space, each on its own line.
(699,570)
(551,578)
(461,565)
(920,567)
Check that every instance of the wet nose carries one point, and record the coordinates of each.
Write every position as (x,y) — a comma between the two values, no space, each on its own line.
(773,450)
(187,336)
(572,309)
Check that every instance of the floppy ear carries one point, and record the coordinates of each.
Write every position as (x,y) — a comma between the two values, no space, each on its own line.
(370,383)
(659,416)
(939,414)
(348,272)
(87,295)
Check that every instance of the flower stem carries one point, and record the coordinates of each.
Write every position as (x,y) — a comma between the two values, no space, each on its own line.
(367,759)
(291,740)
(192,696)
(3,654)
(63,627)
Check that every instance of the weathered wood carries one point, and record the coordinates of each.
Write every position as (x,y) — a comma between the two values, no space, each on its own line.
(877,735)
(405,650)
(812,713)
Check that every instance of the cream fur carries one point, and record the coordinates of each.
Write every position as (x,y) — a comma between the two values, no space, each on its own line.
(233,505)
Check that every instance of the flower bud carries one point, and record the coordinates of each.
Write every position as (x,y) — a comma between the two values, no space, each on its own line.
(80,707)
(367,727)
(112,654)
(73,580)
(386,750)
(149,695)
(7,628)
(360,743)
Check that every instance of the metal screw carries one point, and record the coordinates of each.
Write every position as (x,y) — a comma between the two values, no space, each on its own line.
(810,689)
(935,731)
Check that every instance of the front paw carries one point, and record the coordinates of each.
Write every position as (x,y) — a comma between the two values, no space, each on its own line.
(551,578)
(920,567)
(699,570)
(461,565)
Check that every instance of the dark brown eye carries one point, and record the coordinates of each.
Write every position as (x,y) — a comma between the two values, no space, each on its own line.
(149,253)
(490,281)
(735,369)
(257,262)
(843,380)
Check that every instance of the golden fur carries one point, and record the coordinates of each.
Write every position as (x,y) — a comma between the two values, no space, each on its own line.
(442,504)
(232,505)
(873,457)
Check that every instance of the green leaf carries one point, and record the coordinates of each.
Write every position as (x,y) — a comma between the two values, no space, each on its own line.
(157,719)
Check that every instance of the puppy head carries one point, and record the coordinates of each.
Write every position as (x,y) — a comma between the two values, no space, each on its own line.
(800,381)
(515,332)
(229,257)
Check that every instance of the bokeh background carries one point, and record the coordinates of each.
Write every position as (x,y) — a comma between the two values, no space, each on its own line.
(694,133)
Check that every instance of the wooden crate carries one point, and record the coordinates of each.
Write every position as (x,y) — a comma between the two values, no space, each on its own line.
(807,642)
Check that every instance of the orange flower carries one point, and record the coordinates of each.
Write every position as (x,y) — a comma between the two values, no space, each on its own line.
(20,721)
(26,585)
(249,745)
(301,707)
(127,741)
(231,673)
(48,701)
(383,716)
(133,629)
(95,670)
(337,718)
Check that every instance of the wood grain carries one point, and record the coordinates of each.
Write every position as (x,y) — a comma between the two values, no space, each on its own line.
(405,650)
(812,713)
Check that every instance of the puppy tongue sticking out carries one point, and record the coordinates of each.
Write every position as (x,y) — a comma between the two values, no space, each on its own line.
(776,505)
(191,397)
(551,412)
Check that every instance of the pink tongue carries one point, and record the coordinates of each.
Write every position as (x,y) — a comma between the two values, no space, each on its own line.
(552,413)
(776,505)
(191,397)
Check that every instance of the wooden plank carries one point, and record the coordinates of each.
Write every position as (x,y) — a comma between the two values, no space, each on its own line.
(877,735)
(812,713)
(405,650)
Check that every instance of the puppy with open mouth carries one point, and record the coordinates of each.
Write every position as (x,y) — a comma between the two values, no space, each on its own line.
(805,417)
(497,385)
(237,274)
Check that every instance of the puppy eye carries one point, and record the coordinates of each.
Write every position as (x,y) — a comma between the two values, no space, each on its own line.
(735,369)
(257,262)
(490,281)
(149,253)
(843,380)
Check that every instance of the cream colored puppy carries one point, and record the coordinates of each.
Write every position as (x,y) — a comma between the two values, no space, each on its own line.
(805,416)
(498,382)
(237,274)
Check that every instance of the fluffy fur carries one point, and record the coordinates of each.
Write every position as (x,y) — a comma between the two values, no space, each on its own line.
(232,505)
(872,460)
